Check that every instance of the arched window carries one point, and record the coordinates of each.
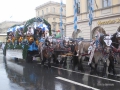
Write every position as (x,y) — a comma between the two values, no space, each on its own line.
(106,3)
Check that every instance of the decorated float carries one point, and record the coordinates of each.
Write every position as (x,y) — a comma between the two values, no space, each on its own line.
(22,40)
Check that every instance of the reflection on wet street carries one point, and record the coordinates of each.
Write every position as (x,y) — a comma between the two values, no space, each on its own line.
(33,76)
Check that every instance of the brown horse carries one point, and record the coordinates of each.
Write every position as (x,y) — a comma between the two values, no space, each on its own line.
(45,51)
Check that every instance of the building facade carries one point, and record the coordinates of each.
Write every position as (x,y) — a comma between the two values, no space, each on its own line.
(4,27)
(106,16)
(50,11)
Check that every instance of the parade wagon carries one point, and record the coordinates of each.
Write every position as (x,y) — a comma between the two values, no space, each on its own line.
(22,40)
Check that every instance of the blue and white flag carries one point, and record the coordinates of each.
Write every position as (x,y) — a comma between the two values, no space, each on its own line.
(90,12)
(75,15)
(35,25)
(11,29)
(61,22)
(43,26)
(17,28)
(40,26)
(22,26)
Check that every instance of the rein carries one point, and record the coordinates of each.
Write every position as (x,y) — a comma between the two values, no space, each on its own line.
(115,43)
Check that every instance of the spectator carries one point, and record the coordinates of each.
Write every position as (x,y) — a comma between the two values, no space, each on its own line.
(30,31)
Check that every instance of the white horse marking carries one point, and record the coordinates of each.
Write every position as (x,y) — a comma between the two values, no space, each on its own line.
(108,40)
(79,42)
(92,54)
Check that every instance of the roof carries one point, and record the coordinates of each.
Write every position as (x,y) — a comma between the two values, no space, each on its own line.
(50,2)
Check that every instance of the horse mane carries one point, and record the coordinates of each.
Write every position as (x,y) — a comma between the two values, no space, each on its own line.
(101,40)
(115,41)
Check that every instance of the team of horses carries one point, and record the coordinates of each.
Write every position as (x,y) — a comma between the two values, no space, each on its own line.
(106,49)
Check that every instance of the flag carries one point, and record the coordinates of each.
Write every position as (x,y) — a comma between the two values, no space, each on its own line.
(75,15)
(61,22)
(90,12)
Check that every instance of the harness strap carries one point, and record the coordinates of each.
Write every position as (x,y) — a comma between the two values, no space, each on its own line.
(85,54)
(116,43)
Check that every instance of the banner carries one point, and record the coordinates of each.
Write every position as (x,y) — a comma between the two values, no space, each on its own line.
(75,15)
(90,12)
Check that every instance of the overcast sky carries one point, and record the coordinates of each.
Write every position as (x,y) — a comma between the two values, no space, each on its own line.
(20,10)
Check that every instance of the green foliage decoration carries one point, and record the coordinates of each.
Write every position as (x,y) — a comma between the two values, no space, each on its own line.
(25,49)
(28,23)
(32,20)
(47,23)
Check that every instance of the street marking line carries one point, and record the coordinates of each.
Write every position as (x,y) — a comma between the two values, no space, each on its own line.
(73,82)
(87,74)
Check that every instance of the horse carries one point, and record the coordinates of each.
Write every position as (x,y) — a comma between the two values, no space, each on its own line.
(60,47)
(97,55)
(116,44)
(45,50)
(104,53)
(115,52)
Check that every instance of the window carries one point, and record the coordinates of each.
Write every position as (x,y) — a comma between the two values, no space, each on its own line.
(38,13)
(78,7)
(54,27)
(87,5)
(54,19)
(54,10)
(46,10)
(65,11)
(42,13)
(106,3)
